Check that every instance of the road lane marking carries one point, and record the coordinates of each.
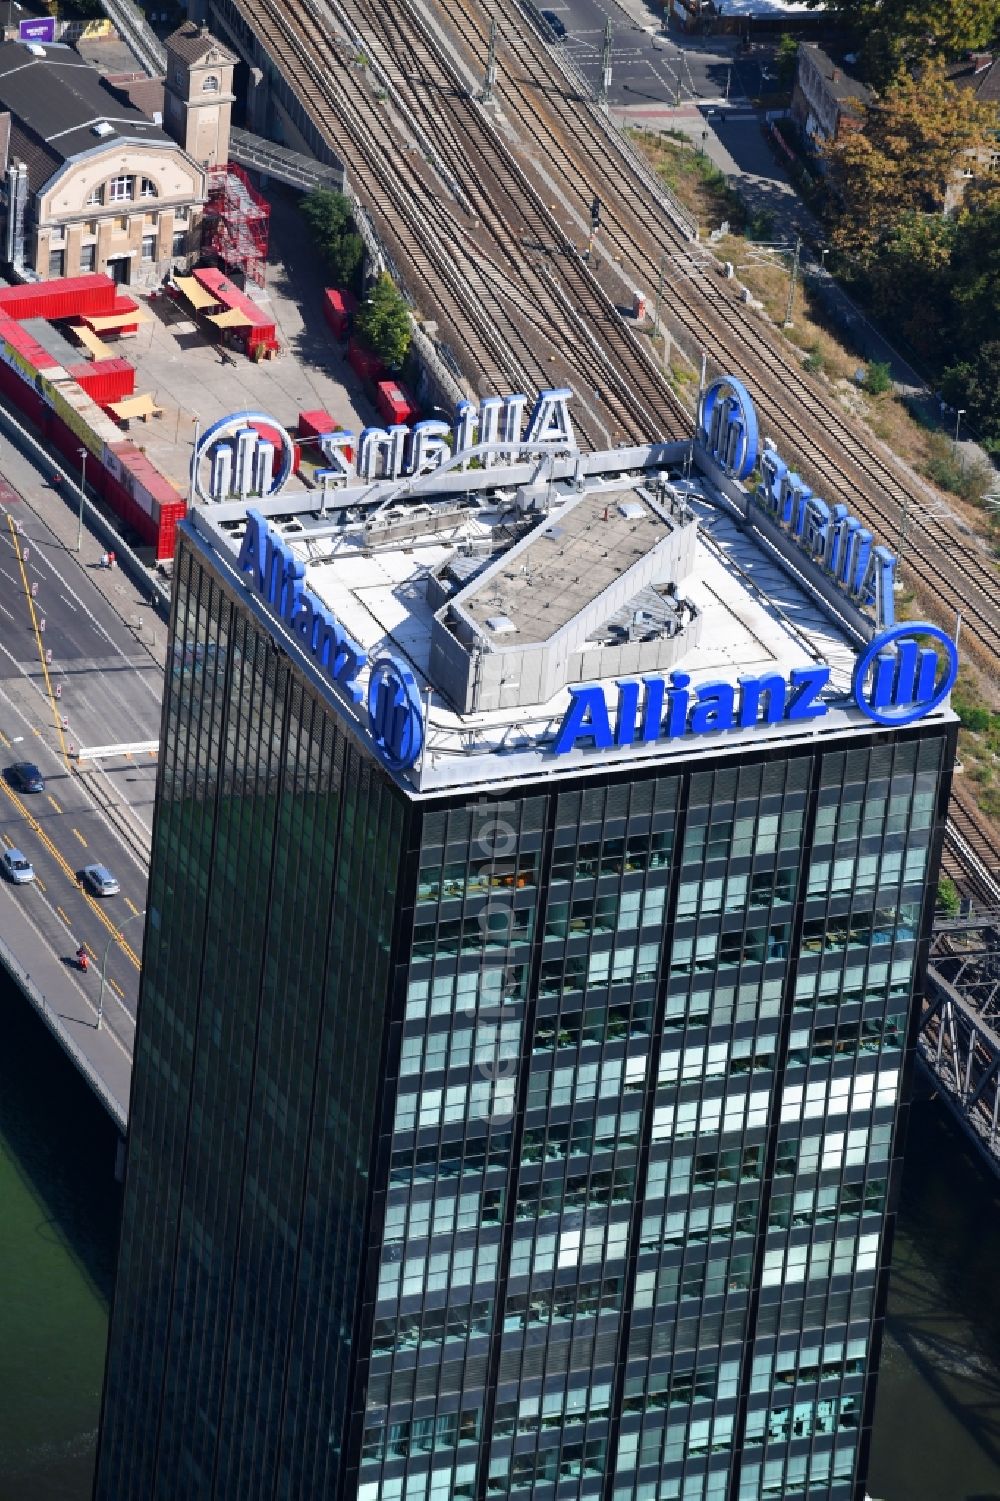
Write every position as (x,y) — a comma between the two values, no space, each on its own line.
(53,802)
(115,986)
(92,952)
(3,737)
(86,993)
(63,916)
(39,882)
(38,639)
(8,841)
(80,837)
(65,866)
(131,906)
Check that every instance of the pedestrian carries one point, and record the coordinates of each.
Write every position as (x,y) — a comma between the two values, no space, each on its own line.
(111,560)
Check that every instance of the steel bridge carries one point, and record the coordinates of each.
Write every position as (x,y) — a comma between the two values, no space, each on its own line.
(960,1025)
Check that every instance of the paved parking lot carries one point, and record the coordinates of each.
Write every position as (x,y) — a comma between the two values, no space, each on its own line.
(188,378)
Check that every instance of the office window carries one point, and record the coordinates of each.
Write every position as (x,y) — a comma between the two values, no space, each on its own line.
(148,248)
(179,246)
(122,189)
(57,262)
(88,257)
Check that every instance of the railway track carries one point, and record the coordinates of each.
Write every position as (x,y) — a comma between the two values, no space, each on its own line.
(971,851)
(471,240)
(489,256)
(955,575)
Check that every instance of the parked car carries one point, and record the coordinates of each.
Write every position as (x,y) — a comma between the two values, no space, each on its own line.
(16,868)
(556,24)
(99,880)
(25,776)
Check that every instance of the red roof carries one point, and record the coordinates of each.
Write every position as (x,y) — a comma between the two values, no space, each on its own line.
(218,283)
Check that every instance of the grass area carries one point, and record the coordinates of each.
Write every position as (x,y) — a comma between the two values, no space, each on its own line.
(693,179)
(979,743)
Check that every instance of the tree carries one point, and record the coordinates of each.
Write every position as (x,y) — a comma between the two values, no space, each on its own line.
(975,267)
(973,385)
(890,32)
(786,58)
(328,216)
(384,322)
(903,159)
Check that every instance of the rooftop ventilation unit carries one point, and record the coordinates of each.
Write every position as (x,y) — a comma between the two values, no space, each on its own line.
(102,128)
(36,50)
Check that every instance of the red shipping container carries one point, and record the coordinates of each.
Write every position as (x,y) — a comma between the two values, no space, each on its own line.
(312,424)
(166,533)
(365,363)
(66,297)
(104,380)
(395,402)
(339,307)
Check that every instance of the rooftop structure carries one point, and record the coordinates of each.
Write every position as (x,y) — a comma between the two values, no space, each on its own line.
(501,591)
(527,1003)
(92,183)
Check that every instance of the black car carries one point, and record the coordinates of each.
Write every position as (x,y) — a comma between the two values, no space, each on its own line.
(554,22)
(26,777)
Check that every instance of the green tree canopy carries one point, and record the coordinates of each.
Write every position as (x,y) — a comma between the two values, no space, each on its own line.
(889,32)
(384,322)
(328,216)
(903,159)
(973,385)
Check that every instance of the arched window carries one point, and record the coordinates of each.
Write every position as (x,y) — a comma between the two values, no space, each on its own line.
(148,188)
(122,189)
(96,197)
(210,85)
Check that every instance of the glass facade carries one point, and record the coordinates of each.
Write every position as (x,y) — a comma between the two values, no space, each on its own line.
(541,1144)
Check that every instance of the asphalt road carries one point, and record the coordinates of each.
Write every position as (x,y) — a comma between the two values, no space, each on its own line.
(106,686)
(650,66)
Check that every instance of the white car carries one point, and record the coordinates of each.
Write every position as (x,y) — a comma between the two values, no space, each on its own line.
(16,868)
(100,880)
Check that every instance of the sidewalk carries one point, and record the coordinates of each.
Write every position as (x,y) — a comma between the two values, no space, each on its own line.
(67,1003)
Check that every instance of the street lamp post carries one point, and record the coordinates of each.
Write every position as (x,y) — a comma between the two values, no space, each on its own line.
(192,479)
(83,484)
(958,423)
(104,967)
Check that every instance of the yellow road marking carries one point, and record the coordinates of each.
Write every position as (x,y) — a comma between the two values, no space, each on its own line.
(90,951)
(38,638)
(8,841)
(3,737)
(131,906)
(39,882)
(80,837)
(65,866)
(37,731)
(115,986)
(53,802)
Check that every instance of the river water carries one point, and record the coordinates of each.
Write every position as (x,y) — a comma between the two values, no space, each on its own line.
(937,1435)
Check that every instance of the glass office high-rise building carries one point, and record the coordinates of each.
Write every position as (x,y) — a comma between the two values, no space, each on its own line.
(524,1120)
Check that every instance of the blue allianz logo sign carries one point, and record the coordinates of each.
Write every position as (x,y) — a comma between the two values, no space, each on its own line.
(241,448)
(394,713)
(898,679)
(657,708)
(277,576)
(828,535)
(727,426)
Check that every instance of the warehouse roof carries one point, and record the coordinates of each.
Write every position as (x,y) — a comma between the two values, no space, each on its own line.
(60,109)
